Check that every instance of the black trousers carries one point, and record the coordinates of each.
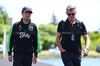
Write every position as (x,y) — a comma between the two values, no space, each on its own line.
(70,59)
(22,59)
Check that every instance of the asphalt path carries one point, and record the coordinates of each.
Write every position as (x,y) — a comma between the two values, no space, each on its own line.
(5,62)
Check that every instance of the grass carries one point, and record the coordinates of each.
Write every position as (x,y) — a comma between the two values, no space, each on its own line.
(45,54)
(93,54)
(1,55)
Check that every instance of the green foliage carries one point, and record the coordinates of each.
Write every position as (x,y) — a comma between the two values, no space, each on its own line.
(47,35)
(7,27)
(1,39)
(4,19)
(2,27)
(4,23)
(94,39)
(82,42)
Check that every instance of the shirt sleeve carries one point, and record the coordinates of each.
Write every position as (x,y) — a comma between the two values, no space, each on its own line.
(59,29)
(10,40)
(36,44)
(38,40)
(84,31)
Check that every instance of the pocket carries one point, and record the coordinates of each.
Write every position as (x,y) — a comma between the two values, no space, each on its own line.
(65,56)
(63,52)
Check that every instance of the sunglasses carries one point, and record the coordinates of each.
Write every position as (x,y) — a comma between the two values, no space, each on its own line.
(71,14)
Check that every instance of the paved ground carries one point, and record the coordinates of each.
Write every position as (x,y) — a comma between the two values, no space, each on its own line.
(5,62)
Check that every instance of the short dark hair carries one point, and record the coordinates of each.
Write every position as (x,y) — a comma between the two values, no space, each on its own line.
(70,8)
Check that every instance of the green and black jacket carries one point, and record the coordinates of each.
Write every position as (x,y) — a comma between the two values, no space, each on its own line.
(23,38)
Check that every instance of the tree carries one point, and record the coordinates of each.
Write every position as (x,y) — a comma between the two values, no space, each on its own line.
(94,39)
(47,35)
(4,19)
(4,23)
(54,20)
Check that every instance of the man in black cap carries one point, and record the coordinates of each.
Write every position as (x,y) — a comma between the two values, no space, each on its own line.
(70,44)
(22,39)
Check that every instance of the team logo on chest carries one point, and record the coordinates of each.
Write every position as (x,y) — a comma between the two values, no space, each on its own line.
(20,27)
(22,34)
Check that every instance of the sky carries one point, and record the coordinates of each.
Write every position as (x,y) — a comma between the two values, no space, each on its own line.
(88,11)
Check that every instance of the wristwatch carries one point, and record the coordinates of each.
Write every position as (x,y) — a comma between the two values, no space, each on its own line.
(87,48)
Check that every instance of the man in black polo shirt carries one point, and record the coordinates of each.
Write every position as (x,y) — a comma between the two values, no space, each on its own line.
(70,44)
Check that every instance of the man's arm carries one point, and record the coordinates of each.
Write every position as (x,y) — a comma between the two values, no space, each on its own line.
(87,40)
(10,43)
(36,45)
(87,43)
(58,42)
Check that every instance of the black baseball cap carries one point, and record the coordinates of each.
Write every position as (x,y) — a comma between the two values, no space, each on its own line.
(27,9)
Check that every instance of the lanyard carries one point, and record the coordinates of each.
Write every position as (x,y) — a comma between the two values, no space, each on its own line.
(71,28)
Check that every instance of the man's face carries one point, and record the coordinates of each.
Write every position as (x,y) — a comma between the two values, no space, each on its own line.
(71,15)
(26,15)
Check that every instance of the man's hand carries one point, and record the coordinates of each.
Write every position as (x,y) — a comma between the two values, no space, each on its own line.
(35,60)
(10,58)
(85,52)
(63,50)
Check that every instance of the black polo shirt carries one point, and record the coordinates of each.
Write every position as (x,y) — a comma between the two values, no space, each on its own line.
(65,30)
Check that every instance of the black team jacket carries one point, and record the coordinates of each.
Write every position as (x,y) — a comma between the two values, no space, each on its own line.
(23,38)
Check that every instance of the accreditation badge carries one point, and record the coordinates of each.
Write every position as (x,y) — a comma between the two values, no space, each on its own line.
(72,37)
